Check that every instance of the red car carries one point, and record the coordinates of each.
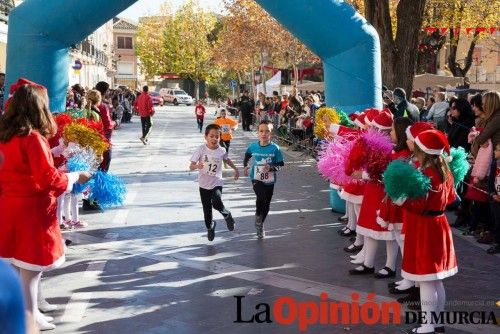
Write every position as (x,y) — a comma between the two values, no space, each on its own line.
(157,99)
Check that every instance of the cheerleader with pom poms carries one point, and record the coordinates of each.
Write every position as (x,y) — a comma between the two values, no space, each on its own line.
(429,254)
(30,237)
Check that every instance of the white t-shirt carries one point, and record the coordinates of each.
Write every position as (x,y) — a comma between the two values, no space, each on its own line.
(211,175)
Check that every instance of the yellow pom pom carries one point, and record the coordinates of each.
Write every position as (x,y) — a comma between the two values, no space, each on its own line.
(85,137)
(325,116)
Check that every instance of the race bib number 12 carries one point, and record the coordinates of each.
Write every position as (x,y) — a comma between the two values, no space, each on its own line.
(211,166)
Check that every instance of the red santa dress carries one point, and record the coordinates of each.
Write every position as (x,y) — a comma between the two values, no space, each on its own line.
(429,252)
(390,216)
(30,237)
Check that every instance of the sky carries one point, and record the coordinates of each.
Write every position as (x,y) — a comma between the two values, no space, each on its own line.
(151,7)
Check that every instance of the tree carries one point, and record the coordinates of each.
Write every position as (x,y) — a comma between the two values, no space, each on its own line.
(471,18)
(399,38)
(188,44)
(252,38)
(149,43)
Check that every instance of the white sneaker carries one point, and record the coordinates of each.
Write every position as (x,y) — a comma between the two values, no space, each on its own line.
(44,306)
(43,324)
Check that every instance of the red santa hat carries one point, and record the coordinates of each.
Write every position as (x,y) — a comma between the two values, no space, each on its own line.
(387,111)
(415,129)
(360,121)
(382,121)
(433,142)
(353,116)
(370,115)
(343,131)
(15,86)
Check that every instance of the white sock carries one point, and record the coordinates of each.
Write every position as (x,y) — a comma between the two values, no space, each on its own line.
(66,204)
(60,201)
(30,283)
(441,293)
(429,302)
(392,248)
(370,251)
(351,216)
(359,240)
(74,208)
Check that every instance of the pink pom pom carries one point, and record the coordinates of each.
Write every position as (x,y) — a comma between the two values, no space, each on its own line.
(332,160)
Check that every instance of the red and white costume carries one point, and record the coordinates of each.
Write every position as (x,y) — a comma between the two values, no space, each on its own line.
(30,237)
(429,252)
(390,216)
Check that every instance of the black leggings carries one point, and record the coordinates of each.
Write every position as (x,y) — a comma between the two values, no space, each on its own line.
(264,196)
(225,144)
(212,198)
(200,124)
(146,126)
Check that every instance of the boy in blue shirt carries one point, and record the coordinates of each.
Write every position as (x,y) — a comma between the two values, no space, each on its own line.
(267,159)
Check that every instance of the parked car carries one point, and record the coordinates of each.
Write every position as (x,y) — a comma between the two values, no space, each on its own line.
(176,96)
(157,99)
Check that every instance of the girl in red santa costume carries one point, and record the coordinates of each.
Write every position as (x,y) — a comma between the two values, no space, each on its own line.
(429,254)
(367,222)
(30,238)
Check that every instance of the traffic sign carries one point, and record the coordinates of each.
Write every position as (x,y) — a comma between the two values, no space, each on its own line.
(233,83)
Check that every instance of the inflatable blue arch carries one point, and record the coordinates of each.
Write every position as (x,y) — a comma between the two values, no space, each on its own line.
(41,32)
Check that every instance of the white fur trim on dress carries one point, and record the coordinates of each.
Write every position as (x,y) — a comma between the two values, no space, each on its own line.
(356,199)
(35,267)
(377,235)
(429,277)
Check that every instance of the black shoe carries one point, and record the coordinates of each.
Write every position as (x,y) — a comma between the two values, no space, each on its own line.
(353,248)
(414,331)
(352,239)
(229,222)
(366,270)
(211,231)
(342,219)
(413,297)
(67,242)
(390,273)
(395,291)
(493,249)
(347,233)
(439,329)
(392,285)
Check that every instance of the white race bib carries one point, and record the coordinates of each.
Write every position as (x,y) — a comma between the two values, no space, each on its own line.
(210,165)
(226,129)
(260,175)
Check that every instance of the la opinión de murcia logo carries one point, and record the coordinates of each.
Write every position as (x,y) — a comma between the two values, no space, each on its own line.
(457,30)
(288,311)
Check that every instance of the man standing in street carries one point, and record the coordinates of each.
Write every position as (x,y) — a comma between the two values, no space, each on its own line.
(247,106)
(146,111)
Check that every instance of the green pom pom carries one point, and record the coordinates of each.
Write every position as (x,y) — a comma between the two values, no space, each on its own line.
(459,165)
(402,180)
(344,119)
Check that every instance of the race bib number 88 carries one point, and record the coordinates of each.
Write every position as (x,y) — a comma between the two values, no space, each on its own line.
(263,176)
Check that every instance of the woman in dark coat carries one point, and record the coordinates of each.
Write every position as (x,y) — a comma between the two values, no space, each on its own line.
(460,121)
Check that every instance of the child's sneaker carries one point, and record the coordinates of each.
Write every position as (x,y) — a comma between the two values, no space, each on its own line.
(229,222)
(143,140)
(78,224)
(65,225)
(259,227)
(211,231)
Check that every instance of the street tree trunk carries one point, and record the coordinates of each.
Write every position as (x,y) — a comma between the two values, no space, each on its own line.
(399,54)
(456,69)
(197,88)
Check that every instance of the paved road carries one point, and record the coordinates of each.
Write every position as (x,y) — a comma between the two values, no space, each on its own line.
(148,268)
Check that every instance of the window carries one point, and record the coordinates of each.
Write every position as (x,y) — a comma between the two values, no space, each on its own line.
(125,43)
(125,68)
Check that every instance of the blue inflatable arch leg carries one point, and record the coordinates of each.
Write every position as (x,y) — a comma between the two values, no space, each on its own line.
(40,34)
(348,46)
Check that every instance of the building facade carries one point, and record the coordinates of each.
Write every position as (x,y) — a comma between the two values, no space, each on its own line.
(485,70)
(91,59)
(124,55)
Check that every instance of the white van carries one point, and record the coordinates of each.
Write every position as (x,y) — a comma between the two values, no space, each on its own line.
(176,96)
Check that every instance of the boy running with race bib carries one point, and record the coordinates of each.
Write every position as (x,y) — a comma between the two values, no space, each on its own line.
(208,159)
(267,159)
